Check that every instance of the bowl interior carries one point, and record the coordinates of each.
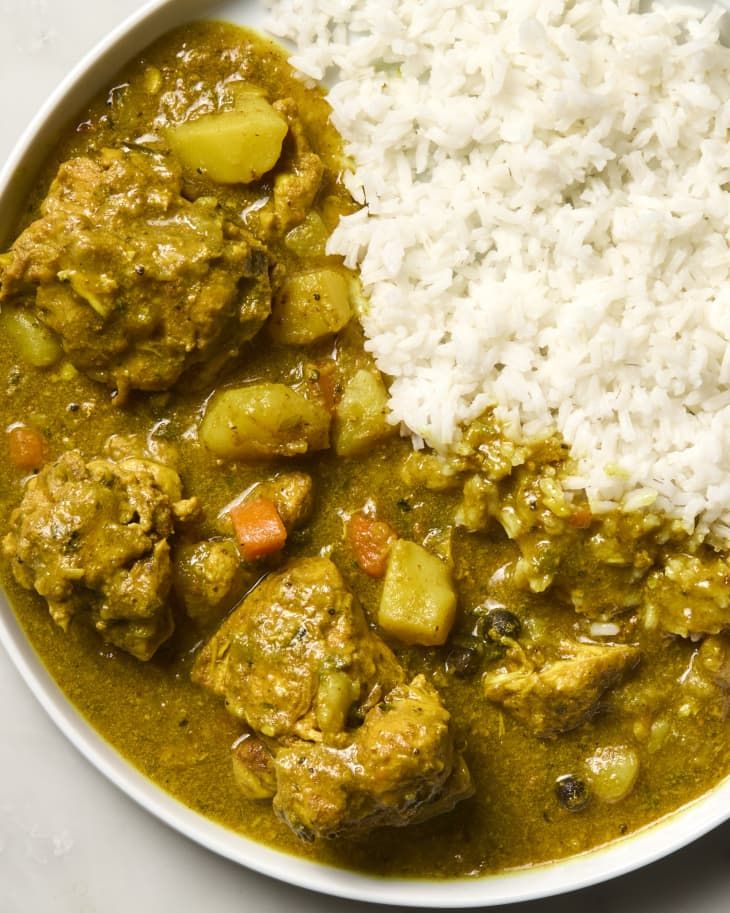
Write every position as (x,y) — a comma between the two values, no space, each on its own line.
(658,840)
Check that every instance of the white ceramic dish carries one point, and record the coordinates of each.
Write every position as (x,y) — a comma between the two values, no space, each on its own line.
(540,881)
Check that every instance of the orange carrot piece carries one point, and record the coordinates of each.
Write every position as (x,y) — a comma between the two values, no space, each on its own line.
(27,447)
(258,527)
(581,519)
(370,541)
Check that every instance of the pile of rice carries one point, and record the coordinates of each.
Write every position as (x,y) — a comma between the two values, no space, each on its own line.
(547,224)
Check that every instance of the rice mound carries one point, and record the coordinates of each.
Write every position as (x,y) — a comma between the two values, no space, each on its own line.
(547,190)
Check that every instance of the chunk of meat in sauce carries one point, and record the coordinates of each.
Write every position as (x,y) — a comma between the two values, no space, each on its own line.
(209,578)
(297,185)
(398,768)
(92,538)
(253,768)
(138,282)
(689,596)
(562,694)
(296,646)
(299,664)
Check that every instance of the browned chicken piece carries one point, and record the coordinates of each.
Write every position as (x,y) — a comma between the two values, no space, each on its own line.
(297,657)
(92,538)
(296,187)
(209,578)
(253,768)
(138,282)
(562,694)
(297,662)
(689,596)
(399,767)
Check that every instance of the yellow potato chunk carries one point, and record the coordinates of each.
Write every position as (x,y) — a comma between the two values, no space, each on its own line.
(361,415)
(232,147)
(418,604)
(309,238)
(263,420)
(336,694)
(309,307)
(34,342)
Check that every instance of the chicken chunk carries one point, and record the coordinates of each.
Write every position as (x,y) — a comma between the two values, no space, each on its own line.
(689,596)
(253,768)
(297,656)
(297,662)
(209,578)
(92,538)
(399,766)
(297,185)
(138,282)
(562,694)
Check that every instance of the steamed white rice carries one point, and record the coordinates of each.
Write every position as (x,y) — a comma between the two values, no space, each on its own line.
(547,224)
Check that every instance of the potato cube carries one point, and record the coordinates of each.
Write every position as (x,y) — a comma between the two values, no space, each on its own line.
(309,307)
(232,147)
(361,415)
(418,603)
(33,341)
(309,238)
(264,420)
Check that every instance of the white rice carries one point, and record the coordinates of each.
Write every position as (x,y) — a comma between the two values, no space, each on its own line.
(547,225)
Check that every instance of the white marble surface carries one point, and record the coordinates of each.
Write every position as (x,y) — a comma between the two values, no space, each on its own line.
(69,841)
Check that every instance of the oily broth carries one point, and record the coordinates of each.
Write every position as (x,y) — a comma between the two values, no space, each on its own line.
(180,737)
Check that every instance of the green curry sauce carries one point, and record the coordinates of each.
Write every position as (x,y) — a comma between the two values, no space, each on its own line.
(178,734)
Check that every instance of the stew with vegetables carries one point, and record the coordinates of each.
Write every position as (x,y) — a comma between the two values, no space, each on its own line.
(390,659)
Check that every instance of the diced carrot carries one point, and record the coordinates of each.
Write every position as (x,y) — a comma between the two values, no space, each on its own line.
(581,519)
(370,541)
(258,527)
(27,447)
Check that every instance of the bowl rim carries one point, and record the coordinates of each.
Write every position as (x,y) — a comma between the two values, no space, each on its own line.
(624,855)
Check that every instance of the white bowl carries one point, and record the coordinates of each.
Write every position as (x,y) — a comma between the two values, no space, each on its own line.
(623,856)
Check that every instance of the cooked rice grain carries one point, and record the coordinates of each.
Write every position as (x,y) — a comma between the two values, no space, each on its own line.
(547,224)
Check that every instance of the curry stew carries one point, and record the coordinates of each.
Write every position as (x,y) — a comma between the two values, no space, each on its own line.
(393,660)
